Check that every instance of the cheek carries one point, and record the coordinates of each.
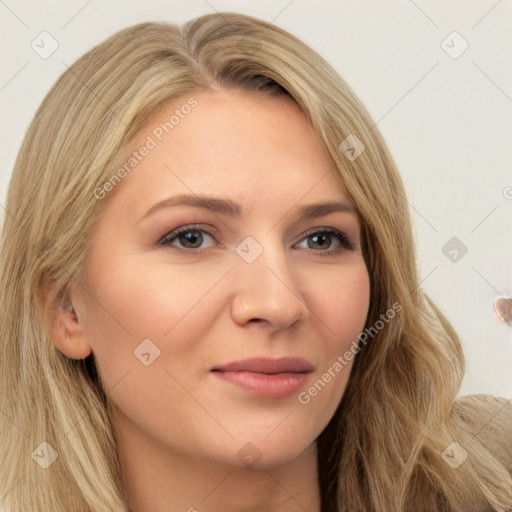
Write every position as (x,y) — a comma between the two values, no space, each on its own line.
(343,304)
(134,302)
(344,307)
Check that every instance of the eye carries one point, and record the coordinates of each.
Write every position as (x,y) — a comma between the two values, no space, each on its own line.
(187,237)
(328,241)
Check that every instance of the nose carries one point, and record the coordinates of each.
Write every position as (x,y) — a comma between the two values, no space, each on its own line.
(268,292)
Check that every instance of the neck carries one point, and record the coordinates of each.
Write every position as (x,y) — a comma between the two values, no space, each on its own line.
(157,479)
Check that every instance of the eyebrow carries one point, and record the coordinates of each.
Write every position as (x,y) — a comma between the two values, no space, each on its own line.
(233,209)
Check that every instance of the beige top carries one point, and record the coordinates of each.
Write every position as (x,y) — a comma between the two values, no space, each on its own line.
(490,419)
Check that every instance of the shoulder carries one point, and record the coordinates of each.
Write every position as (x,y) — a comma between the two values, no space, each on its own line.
(489,418)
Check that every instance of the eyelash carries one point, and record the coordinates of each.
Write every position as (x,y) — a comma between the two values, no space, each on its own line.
(344,241)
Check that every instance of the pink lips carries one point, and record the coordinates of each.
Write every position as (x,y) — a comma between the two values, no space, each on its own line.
(270,378)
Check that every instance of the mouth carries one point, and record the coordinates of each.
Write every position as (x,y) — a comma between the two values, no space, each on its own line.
(269,378)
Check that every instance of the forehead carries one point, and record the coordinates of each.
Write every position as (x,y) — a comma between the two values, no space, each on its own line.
(245,145)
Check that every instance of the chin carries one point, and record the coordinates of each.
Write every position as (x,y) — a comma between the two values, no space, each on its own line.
(264,452)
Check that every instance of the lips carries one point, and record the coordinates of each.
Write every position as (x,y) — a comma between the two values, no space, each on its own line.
(269,378)
(268,366)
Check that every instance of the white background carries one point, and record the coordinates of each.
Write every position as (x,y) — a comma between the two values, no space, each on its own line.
(447,122)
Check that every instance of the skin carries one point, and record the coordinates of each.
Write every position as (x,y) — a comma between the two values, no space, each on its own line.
(179,427)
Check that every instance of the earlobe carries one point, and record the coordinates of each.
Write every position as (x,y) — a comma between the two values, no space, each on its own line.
(67,332)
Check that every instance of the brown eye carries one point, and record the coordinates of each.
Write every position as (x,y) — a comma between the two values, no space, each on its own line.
(191,239)
(187,237)
(322,240)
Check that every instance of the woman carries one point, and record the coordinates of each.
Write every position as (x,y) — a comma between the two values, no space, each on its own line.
(210,299)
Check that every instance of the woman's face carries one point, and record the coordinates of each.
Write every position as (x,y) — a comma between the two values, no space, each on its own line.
(209,340)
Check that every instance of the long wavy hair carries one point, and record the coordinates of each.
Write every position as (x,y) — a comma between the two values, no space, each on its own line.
(382,449)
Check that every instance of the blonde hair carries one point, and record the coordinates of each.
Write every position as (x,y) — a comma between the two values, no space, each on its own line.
(382,449)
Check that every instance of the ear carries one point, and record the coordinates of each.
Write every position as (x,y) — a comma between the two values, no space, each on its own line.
(65,329)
